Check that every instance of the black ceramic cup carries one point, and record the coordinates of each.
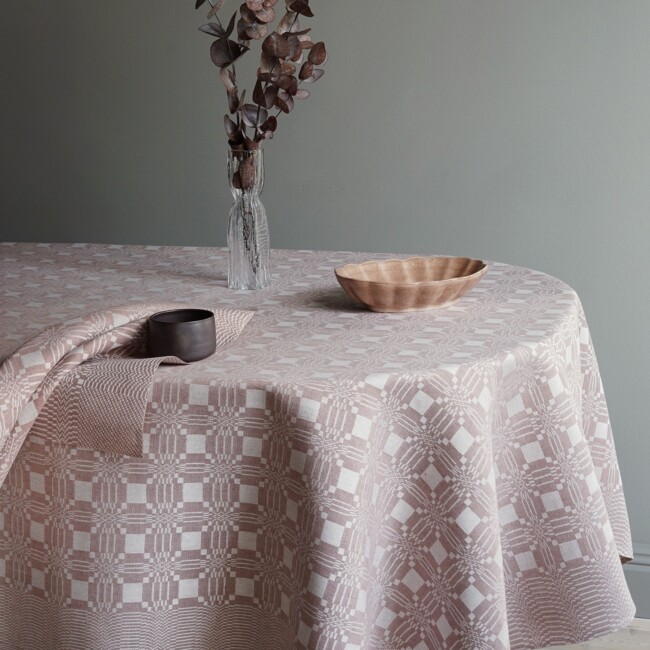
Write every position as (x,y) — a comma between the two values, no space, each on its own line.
(188,334)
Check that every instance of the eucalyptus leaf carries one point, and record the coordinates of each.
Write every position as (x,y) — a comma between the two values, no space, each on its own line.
(270,125)
(265,15)
(215,8)
(270,93)
(242,26)
(268,77)
(288,22)
(247,14)
(295,50)
(302,8)
(228,79)
(258,93)
(225,52)
(316,75)
(286,67)
(254,115)
(269,64)
(256,31)
(306,70)
(276,45)
(318,54)
(284,101)
(231,126)
(231,25)
(233,101)
(213,11)
(237,142)
(213,29)
(284,82)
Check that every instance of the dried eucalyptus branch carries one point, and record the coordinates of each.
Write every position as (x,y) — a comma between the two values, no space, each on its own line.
(289,58)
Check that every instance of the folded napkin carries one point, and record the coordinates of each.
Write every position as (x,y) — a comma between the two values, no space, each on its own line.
(88,379)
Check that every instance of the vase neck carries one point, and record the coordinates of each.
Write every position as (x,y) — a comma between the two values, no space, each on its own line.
(246,173)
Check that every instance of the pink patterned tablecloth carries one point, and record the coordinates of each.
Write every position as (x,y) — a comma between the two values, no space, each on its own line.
(334,479)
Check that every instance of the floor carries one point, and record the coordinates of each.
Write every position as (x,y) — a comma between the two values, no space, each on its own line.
(636,635)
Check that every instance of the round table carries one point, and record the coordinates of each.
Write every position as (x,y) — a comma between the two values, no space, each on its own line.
(334,479)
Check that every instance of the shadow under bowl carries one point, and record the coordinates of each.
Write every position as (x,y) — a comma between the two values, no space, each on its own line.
(188,334)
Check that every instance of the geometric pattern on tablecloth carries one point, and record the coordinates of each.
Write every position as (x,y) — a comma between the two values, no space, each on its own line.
(94,399)
(101,403)
(448,481)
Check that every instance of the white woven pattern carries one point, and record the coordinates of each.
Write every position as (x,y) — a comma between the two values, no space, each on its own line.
(335,479)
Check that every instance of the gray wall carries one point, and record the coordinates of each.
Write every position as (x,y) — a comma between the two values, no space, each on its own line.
(516,130)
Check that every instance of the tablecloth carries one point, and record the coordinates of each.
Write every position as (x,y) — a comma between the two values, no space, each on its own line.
(334,479)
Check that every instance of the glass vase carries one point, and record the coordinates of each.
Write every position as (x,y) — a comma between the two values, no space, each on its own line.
(248,231)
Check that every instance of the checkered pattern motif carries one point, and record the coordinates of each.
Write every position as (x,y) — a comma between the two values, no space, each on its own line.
(334,479)
(93,400)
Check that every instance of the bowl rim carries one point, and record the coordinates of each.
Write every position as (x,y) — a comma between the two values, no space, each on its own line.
(197,315)
(340,271)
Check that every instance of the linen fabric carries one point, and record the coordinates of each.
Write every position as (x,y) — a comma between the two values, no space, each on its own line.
(334,479)
(31,373)
(98,398)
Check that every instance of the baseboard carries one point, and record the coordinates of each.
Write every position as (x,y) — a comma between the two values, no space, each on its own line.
(641,554)
(637,574)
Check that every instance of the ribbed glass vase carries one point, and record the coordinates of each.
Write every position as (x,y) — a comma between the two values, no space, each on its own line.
(248,230)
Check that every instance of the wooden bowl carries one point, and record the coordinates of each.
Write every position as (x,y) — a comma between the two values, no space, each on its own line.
(411,284)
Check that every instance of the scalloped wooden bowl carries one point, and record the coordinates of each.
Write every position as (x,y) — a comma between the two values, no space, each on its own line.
(411,284)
